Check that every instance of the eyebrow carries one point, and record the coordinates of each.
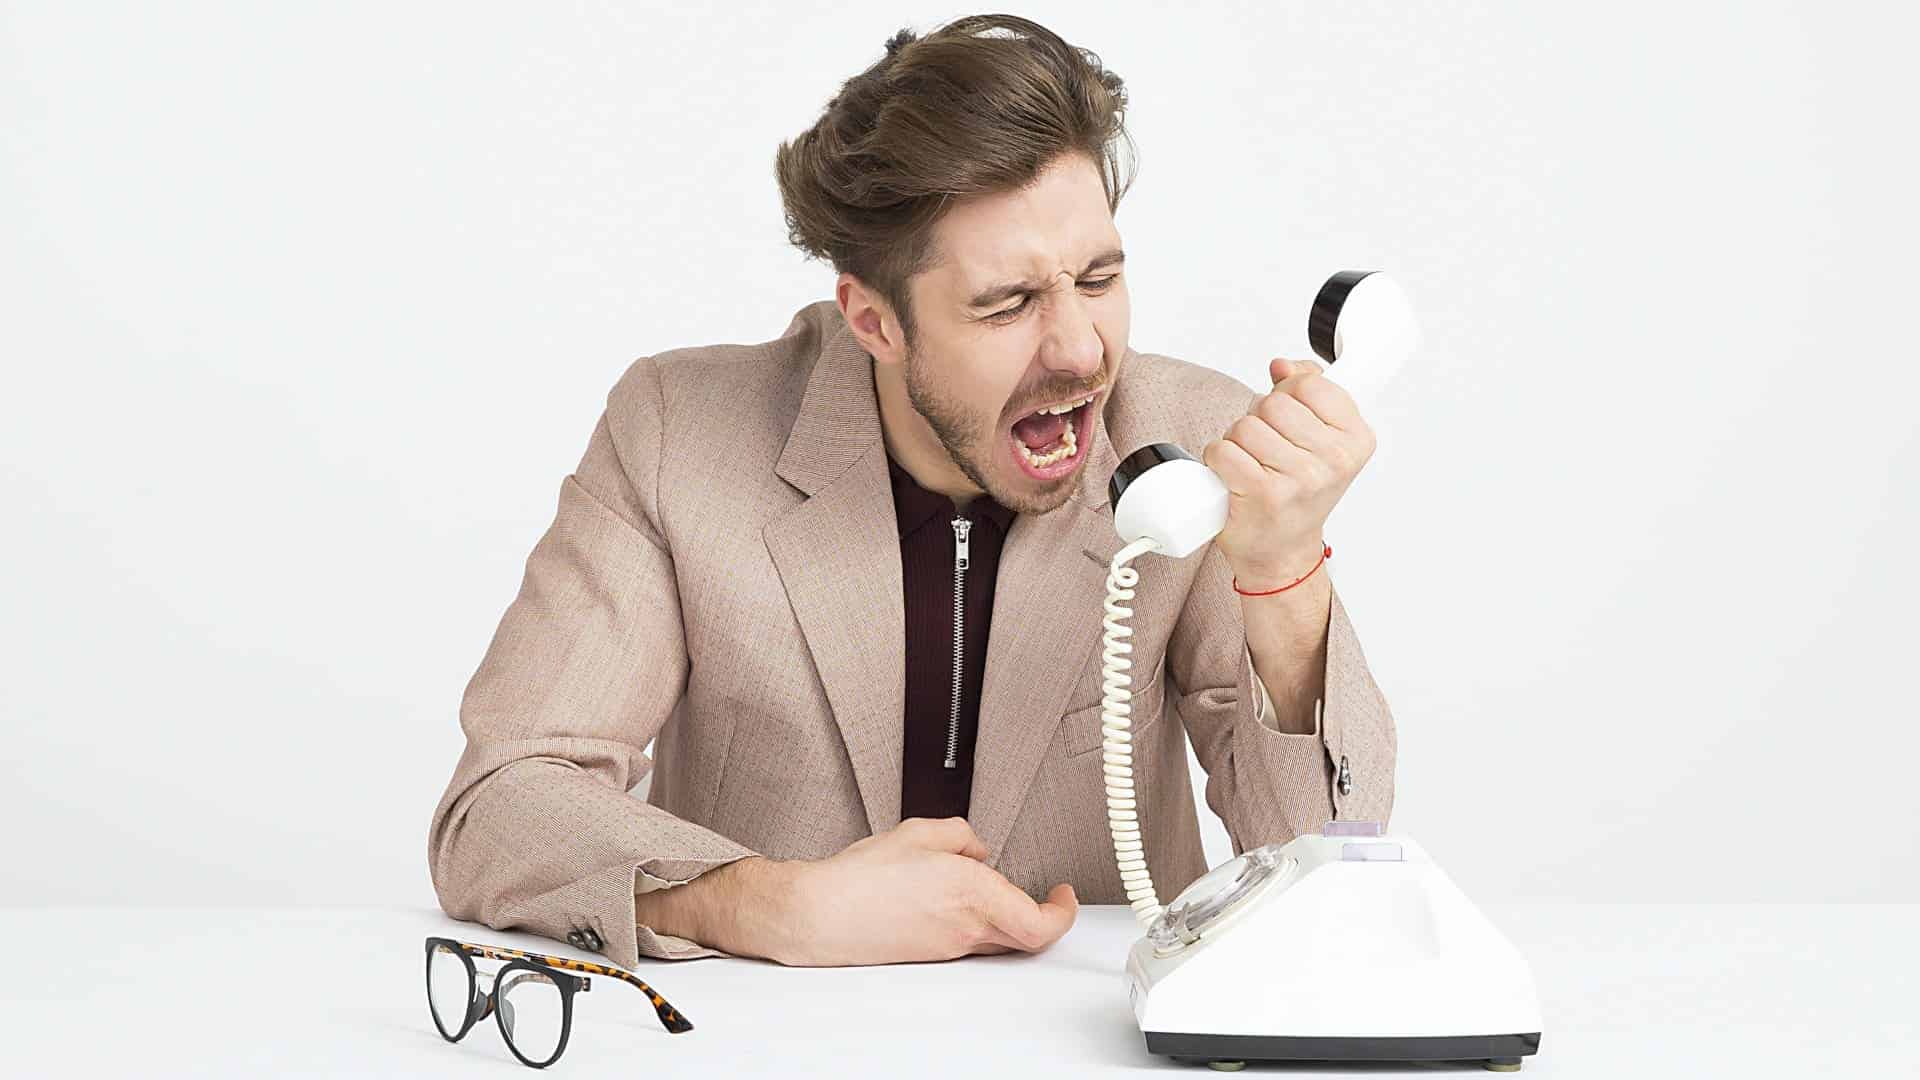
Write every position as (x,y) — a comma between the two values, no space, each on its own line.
(1012,289)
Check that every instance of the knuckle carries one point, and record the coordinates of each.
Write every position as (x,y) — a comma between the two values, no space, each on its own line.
(980,880)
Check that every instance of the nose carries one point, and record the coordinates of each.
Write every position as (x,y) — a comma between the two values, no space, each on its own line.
(1072,347)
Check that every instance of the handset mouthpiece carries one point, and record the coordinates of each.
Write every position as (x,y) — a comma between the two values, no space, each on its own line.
(1170,496)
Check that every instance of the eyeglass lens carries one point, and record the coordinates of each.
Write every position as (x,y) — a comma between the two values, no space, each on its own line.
(532,1011)
(449,990)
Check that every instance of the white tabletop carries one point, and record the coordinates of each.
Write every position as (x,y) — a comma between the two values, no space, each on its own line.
(1627,991)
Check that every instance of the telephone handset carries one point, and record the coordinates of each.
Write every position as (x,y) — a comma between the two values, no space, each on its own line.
(1348,944)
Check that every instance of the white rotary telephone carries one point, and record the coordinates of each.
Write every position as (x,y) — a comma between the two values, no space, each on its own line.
(1344,945)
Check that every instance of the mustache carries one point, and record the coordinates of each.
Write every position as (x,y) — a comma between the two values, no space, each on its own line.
(1069,393)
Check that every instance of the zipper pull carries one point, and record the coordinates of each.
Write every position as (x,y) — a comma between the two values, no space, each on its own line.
(961,527)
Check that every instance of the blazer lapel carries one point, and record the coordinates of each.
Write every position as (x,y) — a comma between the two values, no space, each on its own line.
(838,556)
(1047,626)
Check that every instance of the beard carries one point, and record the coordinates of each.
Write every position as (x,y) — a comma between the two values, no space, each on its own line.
(973,442)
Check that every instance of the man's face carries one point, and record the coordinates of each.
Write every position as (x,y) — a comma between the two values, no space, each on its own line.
(984,358)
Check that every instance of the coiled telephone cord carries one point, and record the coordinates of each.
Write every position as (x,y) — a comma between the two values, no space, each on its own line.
(1123,812)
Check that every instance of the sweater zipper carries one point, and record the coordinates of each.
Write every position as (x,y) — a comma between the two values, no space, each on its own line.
(961,527)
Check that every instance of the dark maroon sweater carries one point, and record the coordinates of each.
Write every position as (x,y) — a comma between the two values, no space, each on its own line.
(927,552)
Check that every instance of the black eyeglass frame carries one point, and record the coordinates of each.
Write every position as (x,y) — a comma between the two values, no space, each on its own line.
(547,967)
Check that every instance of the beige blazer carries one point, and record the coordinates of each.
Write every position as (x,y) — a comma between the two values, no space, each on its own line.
(722,578)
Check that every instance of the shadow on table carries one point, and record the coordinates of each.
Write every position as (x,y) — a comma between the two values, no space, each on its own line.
(1110,1037)
(394,1032)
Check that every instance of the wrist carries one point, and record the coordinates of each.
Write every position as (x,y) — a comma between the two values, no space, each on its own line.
(1289,568)
(737,908)
(761,913)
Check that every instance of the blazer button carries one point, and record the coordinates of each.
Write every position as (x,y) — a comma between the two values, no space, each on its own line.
(576,939)
(1346,777)
(593,939)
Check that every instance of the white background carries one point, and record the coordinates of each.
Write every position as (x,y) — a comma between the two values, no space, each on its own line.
(308,312)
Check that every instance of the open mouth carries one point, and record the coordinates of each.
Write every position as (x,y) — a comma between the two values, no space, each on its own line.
(1050,443)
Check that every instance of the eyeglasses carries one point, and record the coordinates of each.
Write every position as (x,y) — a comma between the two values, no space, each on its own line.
(530,998)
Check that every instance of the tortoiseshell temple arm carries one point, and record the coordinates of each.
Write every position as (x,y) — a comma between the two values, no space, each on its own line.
(670,1017)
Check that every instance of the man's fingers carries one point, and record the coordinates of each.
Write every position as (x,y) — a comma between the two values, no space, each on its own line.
(1029,925)
(993,941)
(1280,368)
(1324,397)
(946,834)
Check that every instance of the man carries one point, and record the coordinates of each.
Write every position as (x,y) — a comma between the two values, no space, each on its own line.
(866,755)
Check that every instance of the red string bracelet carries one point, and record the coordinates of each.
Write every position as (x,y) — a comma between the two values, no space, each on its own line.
(1326,552)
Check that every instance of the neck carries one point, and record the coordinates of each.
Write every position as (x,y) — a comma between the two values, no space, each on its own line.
(912,442)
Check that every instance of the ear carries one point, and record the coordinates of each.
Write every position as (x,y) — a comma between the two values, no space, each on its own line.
(871,320)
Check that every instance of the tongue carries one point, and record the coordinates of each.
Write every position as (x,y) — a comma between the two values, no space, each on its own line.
(1040,431)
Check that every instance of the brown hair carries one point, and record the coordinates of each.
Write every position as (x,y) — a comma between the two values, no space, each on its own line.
(980,106)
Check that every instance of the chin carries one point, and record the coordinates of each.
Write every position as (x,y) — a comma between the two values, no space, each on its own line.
(1023,496)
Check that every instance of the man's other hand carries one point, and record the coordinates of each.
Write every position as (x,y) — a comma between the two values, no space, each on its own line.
(919,891)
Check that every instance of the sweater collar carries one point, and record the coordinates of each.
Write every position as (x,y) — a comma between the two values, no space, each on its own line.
(914,505)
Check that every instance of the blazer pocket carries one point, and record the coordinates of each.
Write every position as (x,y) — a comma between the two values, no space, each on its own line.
(1087,689)
(1081,728)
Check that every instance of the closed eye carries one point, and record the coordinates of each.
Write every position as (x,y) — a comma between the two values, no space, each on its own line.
(1093,285)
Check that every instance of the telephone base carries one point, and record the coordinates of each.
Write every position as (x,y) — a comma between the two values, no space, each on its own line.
(1348,944)
(1180,1044)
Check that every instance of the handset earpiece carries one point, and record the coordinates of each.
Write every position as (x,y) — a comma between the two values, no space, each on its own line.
(1363,326)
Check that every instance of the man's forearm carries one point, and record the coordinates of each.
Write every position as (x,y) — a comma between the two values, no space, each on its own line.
(1287,636)
(737,908)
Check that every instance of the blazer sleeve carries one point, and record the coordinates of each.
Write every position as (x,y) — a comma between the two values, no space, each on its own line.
(1266,785)
(536,830)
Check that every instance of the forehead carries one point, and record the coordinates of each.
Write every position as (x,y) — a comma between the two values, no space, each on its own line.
(1058,222)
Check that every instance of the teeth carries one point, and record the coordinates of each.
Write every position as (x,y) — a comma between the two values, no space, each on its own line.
(1068,445)
(1068,407)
